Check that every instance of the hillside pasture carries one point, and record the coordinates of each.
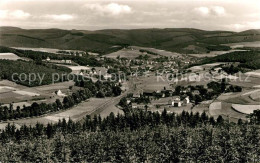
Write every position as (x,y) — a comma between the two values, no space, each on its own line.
(245,109)
(255,96)
(152,83)
(158,51)
(9,56)
(213,53)
(78,68)
(4,89)
(225,110)
(26,93)
(126,53)
(239,97)
(47,50)
(255,73)
(244,44)
(17,93)
(200,108)
(246,81)
(55,87)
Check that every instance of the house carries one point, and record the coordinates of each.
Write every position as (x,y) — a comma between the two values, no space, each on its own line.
(159,94)
(59,93)
(140,106)
(48,59)
(68,61)
(167,92)
(175,101)
(149,92)
(107,76)
(195,92)
(186,100)
(136,95)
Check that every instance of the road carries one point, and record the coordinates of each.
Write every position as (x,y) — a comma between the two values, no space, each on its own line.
(114,101)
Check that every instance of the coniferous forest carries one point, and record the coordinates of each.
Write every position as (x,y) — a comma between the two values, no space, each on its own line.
(136,136)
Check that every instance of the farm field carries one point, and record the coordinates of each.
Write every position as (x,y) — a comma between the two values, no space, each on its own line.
(247,81)
(78,68)
(179,110)
(48,50)
(255,73)
(151,83)
(109,110)
(57,86)
(11,92)
(240,97)
(255,96)
(75,113)
(206,66)
(245,109)
(213,53)
(200,108)
(9,56)
(127,53)
(158,51)
(244,44)
(235,105)
(133,51)
(225,110)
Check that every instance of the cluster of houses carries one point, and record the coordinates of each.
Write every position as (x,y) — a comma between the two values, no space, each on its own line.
(72,52)
(174,101)
(159,98)
(63,61)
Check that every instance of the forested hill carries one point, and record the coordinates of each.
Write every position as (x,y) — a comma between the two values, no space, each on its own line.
(104,41)
(248,59)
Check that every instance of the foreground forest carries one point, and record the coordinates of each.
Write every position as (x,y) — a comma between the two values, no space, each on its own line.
(137,136)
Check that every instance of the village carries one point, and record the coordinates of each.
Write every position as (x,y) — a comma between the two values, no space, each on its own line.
(150,79)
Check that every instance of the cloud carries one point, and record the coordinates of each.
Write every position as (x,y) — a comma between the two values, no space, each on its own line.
(20,14)
(244,26)
(61,17)
(214,10)
(16,14)
(202,10)
(111,8)
(3,14)
(218,10)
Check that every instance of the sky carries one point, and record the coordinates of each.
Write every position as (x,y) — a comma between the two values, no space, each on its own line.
(231,15)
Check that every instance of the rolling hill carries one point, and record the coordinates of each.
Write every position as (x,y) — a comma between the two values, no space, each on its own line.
(184,40)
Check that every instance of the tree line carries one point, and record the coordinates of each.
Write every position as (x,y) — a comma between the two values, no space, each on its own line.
(137,136)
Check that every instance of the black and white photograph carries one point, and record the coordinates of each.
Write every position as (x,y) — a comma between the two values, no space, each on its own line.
(131,81)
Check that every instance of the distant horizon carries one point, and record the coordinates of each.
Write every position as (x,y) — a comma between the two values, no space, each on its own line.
(35,28)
